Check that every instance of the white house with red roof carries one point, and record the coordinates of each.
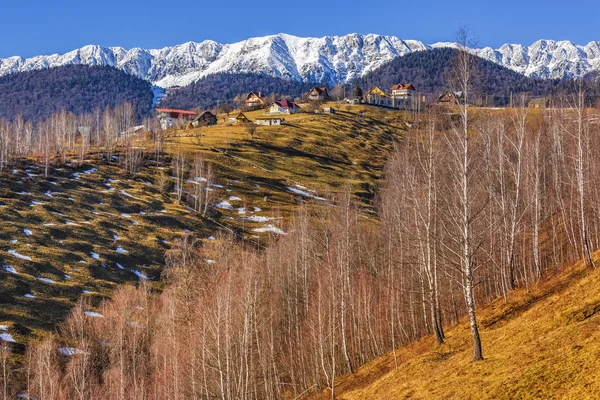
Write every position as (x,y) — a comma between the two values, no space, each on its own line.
(283,107)
(169,117)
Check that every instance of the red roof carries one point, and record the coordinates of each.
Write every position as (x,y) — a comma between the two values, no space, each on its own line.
(169,110)
(403,86)
(286,104)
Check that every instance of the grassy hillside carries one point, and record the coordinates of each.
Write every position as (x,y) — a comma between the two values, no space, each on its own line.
(87,229)
(79,233)
(540,343)
(311,157)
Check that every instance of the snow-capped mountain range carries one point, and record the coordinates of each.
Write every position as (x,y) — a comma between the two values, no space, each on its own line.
(328,59)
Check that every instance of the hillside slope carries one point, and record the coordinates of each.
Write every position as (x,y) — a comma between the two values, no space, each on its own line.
(540,343)
(86,230)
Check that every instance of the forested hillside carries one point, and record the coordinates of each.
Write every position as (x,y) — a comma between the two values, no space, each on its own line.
(79,89)
(428,71)
(222,88)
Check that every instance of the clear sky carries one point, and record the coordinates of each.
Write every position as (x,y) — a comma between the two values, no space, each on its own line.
(36,27)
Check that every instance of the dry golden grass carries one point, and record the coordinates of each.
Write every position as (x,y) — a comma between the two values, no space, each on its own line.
(543,343)
(316,152)
(69,218)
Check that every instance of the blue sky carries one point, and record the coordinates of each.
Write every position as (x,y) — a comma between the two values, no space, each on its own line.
(37,27)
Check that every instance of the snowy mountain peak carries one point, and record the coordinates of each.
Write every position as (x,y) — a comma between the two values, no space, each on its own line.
(328,59)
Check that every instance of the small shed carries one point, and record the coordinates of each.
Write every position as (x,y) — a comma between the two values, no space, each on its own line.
(269,121)
(327,110)
(242,119)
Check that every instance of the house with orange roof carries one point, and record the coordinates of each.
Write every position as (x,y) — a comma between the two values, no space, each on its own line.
(169,117)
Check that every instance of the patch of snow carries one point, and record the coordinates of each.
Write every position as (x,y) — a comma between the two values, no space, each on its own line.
(29,296)
(7,337)
(22,257)
(3,328)
(269,228)
(10,269)
(95,256)
(234,198)
(124,193)
(116,237)
(259,218)
(121,250)
(85,291)
(139,274)
(224,205)
(67,276)
(93,314)
(211,238)
(27,232)
(120,266)
(46,280)
(71,351)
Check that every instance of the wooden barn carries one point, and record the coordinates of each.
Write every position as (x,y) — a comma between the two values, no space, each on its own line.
(205,119)
(242,119)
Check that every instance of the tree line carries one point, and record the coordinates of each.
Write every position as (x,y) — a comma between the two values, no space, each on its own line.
(67,138)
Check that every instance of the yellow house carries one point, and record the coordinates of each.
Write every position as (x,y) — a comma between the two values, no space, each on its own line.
(378,97)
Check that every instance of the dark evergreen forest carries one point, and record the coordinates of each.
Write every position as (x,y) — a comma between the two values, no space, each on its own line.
(75,88)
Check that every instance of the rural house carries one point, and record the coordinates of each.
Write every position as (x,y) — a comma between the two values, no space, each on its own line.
(242,119)
(378,97)
(318,94)
(255,100)
(450,98)
(403,91)
(269,121)
(283,107)
(327,110)
(169,117)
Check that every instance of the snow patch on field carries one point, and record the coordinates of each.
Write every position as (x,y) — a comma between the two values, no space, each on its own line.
(224,205)
(259,218)
(46,280)
(10,269)
(21,256)
(7,337)
(71,351)
(93,314)
(269,228)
